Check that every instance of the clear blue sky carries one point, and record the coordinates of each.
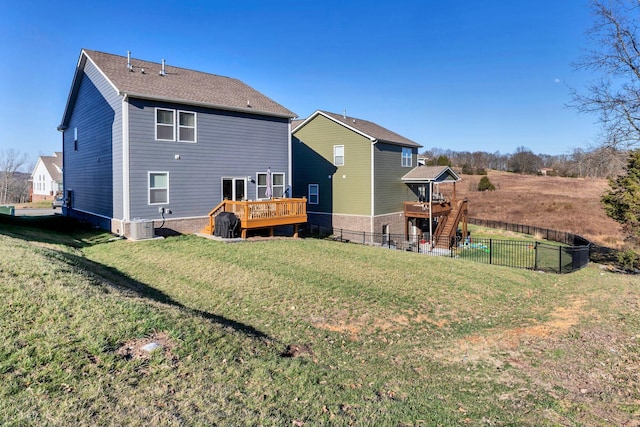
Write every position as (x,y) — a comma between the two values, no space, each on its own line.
(472,75)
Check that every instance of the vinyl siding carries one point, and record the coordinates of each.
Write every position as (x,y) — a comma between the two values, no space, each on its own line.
(89,170)
(233,145)
(390,191)
(348,192)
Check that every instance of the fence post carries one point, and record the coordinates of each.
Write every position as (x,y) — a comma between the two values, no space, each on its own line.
(341,234)
(559,260)
(535,255)
(490,251)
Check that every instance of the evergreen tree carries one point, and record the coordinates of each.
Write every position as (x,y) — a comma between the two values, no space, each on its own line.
(622,202)
(485,184)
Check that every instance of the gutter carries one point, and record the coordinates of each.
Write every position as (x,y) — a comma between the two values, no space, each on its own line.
(206,105)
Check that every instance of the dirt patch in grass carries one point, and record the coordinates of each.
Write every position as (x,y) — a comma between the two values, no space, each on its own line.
(141,348)
(356,326)
(476,348)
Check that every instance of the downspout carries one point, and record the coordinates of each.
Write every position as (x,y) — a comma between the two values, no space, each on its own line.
(290,157)
(373,181)
(63,208)
(125,163)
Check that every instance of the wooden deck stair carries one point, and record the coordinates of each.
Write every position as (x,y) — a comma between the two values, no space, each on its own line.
(448,226)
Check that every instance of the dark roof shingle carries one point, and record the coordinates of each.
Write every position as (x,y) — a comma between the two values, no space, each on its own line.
(372,129)
(183,85)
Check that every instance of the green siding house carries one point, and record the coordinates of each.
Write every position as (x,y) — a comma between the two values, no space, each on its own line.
(351,172)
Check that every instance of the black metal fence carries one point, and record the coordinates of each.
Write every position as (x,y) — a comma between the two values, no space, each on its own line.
(539,232)
(509,253)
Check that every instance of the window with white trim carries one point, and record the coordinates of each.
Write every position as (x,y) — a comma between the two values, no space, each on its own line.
(338,155)
(277,185)
(186,126)
(158,188)
(313,196)
(407,157)
(165,124)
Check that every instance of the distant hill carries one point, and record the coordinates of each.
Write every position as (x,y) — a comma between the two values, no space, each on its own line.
(565,204)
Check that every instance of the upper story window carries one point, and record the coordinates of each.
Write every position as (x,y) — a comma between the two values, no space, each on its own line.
(314,194)
(186,126)
(167,127)
(165,120)
(338,155)
(407,157)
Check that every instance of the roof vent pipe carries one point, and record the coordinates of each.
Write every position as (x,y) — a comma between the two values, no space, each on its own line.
(344,114)
(129,67)
(163,72)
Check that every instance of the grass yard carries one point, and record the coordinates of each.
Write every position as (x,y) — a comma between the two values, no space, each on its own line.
(304,332)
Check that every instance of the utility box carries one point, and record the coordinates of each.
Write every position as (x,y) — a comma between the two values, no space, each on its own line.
(142,229)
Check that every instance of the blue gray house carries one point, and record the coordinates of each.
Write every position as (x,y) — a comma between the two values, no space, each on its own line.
(147,140)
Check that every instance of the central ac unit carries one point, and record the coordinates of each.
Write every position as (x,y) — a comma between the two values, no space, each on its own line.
(142,229)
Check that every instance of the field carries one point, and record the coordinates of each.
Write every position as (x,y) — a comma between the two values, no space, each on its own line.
(304,332)
(564,204)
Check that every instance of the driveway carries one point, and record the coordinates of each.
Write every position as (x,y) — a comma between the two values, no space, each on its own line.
(37,212)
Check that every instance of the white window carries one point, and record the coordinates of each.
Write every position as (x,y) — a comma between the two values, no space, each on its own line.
(407,158)
(338,155)
(165,124)
(158,188)
(314,194)
(75,139)
(167,127)
(277,185)
(186,126)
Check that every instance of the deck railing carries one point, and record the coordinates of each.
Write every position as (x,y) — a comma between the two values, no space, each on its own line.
(263,213)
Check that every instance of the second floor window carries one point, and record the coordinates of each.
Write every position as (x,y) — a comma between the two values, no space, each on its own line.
(338,155)
(167,127)
(406,157)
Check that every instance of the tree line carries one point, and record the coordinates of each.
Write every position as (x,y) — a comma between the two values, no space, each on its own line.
(601,162)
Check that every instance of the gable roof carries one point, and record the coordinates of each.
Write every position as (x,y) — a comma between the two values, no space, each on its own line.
(180,85)
(53,164)
(368,129)
(421,174)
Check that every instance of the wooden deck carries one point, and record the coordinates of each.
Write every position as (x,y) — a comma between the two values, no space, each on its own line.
(262,214)
(449,213)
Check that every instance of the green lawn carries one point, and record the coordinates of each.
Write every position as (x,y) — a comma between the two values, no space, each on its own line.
(383,337)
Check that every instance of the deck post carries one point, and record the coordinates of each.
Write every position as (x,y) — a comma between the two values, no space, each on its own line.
(295,231)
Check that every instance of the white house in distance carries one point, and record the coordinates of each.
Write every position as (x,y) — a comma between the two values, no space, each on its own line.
(47,177)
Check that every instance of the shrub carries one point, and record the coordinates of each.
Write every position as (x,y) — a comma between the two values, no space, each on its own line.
(481,171)
(467,169)
(629,260)
(485,184)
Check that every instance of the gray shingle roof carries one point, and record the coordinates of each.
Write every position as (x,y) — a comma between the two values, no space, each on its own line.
(183,85)
(431,173)
(53,165)
(372,130)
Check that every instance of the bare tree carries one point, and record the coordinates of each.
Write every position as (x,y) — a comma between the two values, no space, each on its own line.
(10,161)
(615,57)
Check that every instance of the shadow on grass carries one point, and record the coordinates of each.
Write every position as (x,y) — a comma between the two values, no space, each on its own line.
(64,231)
(54,229)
